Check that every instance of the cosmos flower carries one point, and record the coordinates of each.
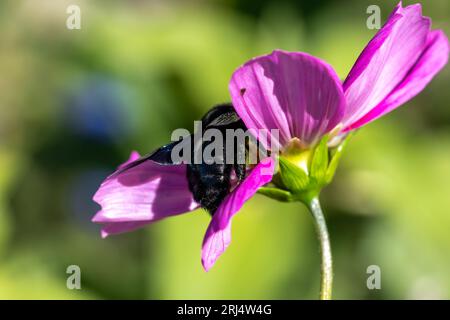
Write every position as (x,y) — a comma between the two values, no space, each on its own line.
(302,97)
(150,191)
(394,67)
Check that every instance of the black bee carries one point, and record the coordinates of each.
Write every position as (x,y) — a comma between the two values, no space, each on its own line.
(209,183)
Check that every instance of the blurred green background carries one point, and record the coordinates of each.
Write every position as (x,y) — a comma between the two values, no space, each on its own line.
(74,103)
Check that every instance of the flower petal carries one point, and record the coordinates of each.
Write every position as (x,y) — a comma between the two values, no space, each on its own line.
(142,194)
(432,60)
(121,227)
(385,61)
(291,91)
(218,234)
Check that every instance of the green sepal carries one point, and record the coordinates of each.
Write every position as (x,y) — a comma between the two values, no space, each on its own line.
(319,164)
(276,193)
(303,173)
(294,178)
(335,161)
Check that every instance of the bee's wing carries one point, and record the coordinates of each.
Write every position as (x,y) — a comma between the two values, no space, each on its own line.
(222,115)
(162,156)
(224,120)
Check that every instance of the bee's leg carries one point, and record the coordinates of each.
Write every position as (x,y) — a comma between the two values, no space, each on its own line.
(240,170)
(240,161)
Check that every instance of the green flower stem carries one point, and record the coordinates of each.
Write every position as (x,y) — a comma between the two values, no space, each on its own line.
(325,249)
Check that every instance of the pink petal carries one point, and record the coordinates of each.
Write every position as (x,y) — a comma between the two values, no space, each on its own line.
(385,61)
(291,91)
(134,155)
(218,234)
(432,60)
(121,227)
(142,194)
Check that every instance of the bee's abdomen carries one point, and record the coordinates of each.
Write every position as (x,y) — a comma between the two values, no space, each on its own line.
(209,184)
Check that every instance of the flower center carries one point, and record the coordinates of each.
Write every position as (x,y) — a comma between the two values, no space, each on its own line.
(297,153)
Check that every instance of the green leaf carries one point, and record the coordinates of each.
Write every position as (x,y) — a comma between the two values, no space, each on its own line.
(319,163)
(294,178)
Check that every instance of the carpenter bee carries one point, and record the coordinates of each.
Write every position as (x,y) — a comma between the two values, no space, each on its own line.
(209,183)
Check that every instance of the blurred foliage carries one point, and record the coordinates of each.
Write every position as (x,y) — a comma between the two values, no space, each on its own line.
(73,104)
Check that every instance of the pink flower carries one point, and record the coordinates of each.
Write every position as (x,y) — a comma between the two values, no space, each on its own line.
(296,93)
(147,192)
(303,98)
(394,67)
(141,195)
